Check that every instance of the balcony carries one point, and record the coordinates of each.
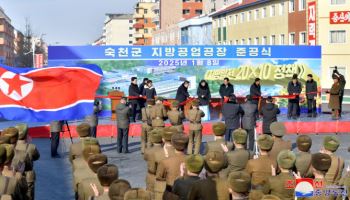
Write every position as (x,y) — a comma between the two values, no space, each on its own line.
(138,16)
(138,26)
(138,35)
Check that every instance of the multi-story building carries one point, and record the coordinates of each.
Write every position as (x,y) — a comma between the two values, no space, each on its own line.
(196,31)
(156,10)
(18,47)
(329,26)
(118,29)
(143,19)
(172,12)
(215,5)
(260,22)
(7,38)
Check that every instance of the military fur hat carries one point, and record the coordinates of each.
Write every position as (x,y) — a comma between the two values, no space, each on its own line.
(286,159)
(256,195)
(270,197)
(335,77)
(194,163)
(331,143)
(214,161)
(118,188)
(278,129)
(175,104)
(159,98)
(195,102)
(12,133)
(240,136)
(10,152)
(265,142)
(96,161)
(150,102)
(156,136)
(4,140)
(219,129)
(168,132)
(83,130)
(107,174)
(304,143)
(89,150)
(321,161)
(239,181)
(2,154)
(179,141)
(137,194)
(22,131)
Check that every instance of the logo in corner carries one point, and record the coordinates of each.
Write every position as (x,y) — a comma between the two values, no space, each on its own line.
(15,86)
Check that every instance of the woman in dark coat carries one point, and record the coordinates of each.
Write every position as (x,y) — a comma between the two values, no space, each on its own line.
(203,93)
(149,91)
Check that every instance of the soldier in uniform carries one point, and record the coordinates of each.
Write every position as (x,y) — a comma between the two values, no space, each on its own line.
(303,157)
(146,125)
(219,130)
(320,163)
(239,185)
(158,114)
(137,194)
(106,175)
(169,168)
(260,168)
(194,116)
(176,117)
(76,150)
(118,188)
(269,113)
(149,156)
(278,130)
(89,148)
(33,154)
(249,120)
(213,187)
(193,166)
(93,118)
(55,129)
(238,159)
(270,197)
(330,146)
(334,102)
(342,83)
(276,185)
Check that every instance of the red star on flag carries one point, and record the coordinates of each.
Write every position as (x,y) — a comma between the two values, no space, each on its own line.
(15,84)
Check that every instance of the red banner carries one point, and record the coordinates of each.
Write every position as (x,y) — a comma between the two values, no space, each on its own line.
(311,22)
(339,17)
(39,61)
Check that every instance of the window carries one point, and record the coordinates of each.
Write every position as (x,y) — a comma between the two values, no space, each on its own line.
(291,38)
(263,14)
(236,42)
(242,17)
(145,21)
(302,4)
(236,19)
(219,34)
(186,11)
(337,36)
(224,22)
(243,42)
(145,30)
(273,40)
(337,2)
(272,11)
(224,32)
(264,40)
(249,17)
(291,6)
(282,39)
(130,35)
(130,21)
(130,28)
(249,42)
(130,42)
(256,15)
(282,8)
(302,38)
(198,12)
(256,41)
(230,20)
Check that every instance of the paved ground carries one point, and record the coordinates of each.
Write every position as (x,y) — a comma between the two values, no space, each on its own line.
(54,180)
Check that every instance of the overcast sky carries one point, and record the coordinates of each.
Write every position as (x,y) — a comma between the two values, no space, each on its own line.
(65,22)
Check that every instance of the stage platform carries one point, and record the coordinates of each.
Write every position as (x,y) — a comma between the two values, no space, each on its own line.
(107,128)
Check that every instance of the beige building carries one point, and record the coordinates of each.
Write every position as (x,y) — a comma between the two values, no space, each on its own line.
(118,29)
(334,37)
(215,5)
(144,25)
(252,23)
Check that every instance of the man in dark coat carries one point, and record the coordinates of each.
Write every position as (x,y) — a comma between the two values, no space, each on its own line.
(141,87)
(226,89)
(249,120)
(342,83)
(182,93)
(269,113)
(134,93)
(311,96)
(232,113)
(203,93)
(294,88)
(149,91)
(123,121)
(255,91)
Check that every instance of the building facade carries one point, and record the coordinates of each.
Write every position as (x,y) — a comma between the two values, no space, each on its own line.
(143,19)
(18,47)
(118,29)
(215,5)
(7,39)
(196,31)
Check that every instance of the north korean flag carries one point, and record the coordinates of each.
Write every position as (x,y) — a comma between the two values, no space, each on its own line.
(46,94)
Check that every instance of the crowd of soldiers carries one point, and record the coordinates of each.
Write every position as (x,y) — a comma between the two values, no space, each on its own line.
(17,156)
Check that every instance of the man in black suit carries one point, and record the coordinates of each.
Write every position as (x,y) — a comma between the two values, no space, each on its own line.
(134,95)
(226,89)
(294,88)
